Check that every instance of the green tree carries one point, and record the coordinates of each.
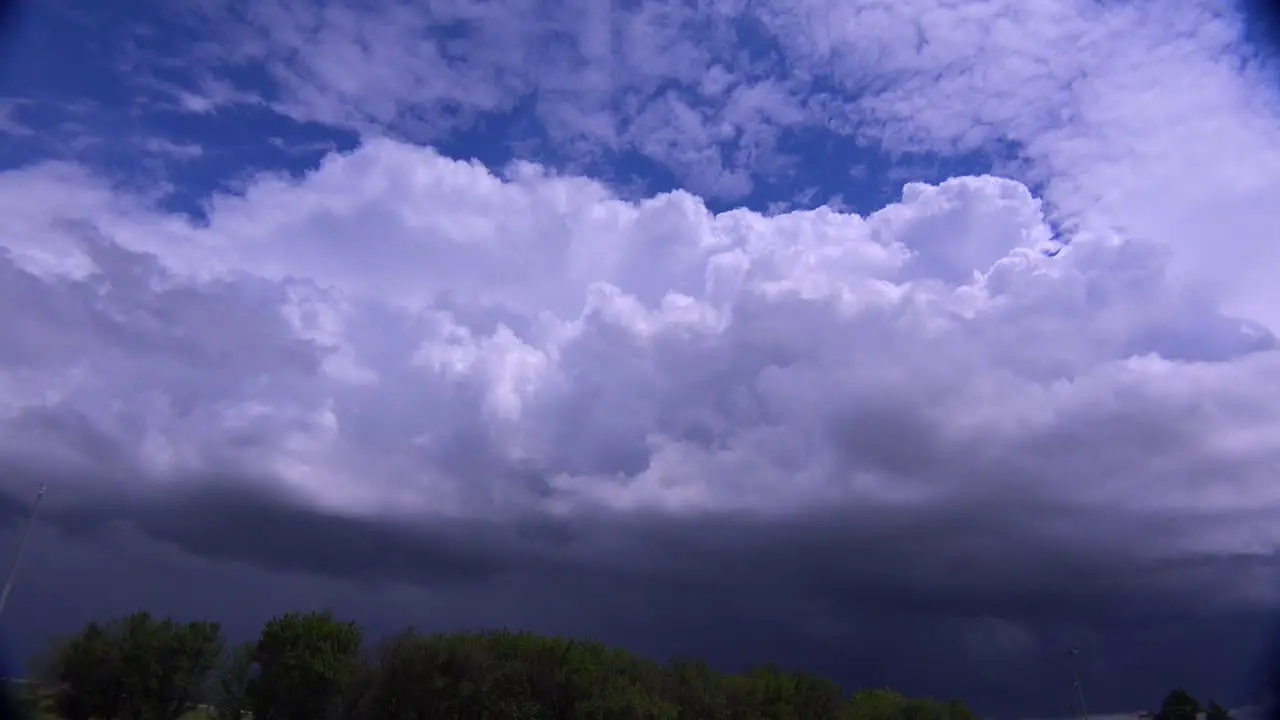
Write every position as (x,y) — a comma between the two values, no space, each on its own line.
(305,667)
(1178,705)
(230,687)
(773,694)
(697,691)
(605,682)
(879,704)
(817,697)
(1216,712)
(310,667)
(171,663)
(957,710)
(402,682)
(926,709)
(137,668)
(84,669)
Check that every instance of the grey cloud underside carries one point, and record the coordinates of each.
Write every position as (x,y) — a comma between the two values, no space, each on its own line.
(999,552)
(962,562)
(865,602)
(216,520)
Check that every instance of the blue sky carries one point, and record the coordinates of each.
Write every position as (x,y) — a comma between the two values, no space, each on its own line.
(906,341)
(66,79)
(69,75)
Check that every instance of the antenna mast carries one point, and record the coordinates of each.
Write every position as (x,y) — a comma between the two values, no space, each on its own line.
(1075,676)
(22,546)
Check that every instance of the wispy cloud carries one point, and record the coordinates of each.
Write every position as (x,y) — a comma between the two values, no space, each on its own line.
(179,151)
(9,123)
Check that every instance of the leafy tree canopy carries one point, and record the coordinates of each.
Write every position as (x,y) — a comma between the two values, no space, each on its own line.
(314,667)
(138,667)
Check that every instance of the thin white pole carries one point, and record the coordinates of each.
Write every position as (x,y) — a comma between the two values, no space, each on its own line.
(22,545)
(1075,675)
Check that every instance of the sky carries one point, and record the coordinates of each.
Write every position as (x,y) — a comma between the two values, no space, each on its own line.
(911,342)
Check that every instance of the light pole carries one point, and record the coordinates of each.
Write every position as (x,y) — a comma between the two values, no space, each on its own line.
(22,545)
(1075,677)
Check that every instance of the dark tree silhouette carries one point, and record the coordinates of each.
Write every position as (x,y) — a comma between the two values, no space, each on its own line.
(314,667)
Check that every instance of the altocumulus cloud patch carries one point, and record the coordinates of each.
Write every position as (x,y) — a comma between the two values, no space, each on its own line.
(930,444)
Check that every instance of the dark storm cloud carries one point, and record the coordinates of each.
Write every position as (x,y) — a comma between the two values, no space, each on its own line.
(928,605)
(226,519)
(959,560)
(992,544)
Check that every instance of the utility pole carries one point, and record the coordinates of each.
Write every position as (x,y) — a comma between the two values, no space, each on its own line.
(22,545)
(1075,677)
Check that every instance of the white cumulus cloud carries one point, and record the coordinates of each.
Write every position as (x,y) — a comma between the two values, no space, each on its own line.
(398,332)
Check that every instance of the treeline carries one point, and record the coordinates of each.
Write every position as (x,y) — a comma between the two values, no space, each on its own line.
(315,667)
(1182,705)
